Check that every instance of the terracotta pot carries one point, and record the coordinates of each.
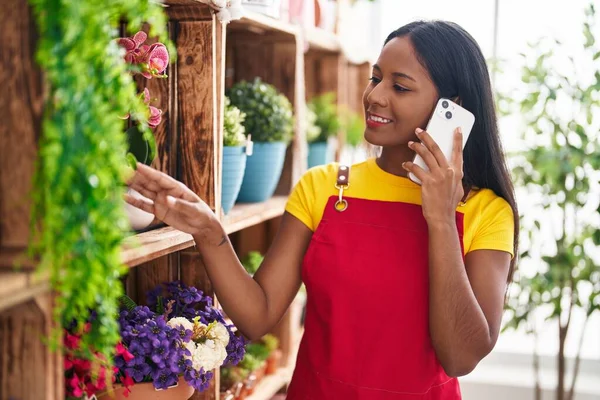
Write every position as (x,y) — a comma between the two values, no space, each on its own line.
(146,391)
(273,362)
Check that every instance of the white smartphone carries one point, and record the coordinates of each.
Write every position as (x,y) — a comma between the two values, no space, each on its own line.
(446,117)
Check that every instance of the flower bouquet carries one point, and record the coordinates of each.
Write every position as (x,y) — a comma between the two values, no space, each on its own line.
(175,344)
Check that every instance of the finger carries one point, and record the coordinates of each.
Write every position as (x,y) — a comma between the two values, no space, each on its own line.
(179,205)
(161,181)
(142,204)
(457,150)
(143,181)
(416,170)
(425,154)
(143,190)
(432,146)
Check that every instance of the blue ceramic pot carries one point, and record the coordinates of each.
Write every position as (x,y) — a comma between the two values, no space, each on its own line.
(319,154)
(234,166)
(263,170)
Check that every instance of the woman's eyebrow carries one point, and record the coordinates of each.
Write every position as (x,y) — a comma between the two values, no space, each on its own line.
(396,74)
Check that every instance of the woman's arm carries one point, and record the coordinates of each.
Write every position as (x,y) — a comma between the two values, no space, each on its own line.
(465,298)
(256,304)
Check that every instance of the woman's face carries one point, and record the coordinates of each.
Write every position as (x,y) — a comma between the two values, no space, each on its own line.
(400,97)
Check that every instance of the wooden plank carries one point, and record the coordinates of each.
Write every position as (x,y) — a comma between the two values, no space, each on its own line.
(196,82)
(21,107)
(243,216)
(28,369)
(153,244)
(19,287)
(153,273)
(221,44)
(187,12)
(262,24)
(321,40)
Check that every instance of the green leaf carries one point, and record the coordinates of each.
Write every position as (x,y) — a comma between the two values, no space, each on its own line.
(127,302)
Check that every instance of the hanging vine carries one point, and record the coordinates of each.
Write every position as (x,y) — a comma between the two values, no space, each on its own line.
(78,217)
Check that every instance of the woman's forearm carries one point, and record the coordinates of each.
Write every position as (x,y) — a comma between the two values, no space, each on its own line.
(240,295)
(458,327)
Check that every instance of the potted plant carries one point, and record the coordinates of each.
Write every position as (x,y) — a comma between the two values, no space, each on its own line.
(353,125)
(149,61)
(559,171)
(269,122)
(271,342)
(234,155)
(320,149)
(166,351)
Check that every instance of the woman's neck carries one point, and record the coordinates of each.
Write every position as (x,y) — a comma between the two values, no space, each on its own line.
(391,159)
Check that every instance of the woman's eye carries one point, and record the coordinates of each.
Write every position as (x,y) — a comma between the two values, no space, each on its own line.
(399,88)
(375,79)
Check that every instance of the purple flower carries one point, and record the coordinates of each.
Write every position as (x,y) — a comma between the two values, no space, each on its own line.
(163,379)
(199,380)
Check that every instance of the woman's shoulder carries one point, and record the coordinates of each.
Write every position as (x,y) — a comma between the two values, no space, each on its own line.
(486,200)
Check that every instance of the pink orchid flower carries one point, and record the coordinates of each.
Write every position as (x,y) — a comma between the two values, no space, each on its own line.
(132,46)
(156,60)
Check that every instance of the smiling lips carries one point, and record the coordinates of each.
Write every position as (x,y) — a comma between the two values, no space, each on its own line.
(375,121)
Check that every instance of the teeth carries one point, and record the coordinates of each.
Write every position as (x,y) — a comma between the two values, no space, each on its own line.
(379,119)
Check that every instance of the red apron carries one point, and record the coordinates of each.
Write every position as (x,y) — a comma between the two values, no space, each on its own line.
(366,329)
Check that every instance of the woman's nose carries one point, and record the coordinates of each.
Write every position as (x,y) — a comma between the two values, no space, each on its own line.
(377,96)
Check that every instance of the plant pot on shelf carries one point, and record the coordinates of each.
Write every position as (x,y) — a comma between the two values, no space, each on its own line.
(263,170)
(273,362)
(272,8)
(146,391)
(319,153)
(234,167)
(138,219)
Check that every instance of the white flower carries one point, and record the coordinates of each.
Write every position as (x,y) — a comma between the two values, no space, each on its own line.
(208,355)
(180,321)
(224,16)
(220,334)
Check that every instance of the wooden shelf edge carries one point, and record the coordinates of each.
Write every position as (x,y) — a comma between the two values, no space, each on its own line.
(153,244)
(270,385)
(20,287)
(319,39)
(265,23)
(246,215)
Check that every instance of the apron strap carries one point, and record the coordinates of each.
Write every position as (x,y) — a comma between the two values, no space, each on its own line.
(342,183)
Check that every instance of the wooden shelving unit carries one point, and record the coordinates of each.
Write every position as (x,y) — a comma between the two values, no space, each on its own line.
(210,58)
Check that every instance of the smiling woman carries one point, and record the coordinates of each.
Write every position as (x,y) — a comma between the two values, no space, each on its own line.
(432,267)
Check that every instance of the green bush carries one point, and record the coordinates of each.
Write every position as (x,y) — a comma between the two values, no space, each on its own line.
(269,114)
(233,128)
(312,130)
(354,126)
(328,121)
(252,262)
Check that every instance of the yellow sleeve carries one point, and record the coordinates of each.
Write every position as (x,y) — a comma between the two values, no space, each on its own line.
(301,202)
(496,227)
(310,195)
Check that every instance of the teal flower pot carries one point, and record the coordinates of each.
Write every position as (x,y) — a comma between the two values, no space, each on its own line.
(234,166)
(263,170)
(319,154)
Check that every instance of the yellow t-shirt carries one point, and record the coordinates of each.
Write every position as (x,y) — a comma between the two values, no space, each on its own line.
(488,219)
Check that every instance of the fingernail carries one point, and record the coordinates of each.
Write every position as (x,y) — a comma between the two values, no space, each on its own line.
(418,130)
(459,130)
(411,143)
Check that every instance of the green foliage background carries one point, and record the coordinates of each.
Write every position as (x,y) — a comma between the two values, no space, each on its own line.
(78,217)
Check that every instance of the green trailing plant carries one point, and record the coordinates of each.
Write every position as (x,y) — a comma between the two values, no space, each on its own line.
(234,131)
(78,220)
(560,171)
(252,262)
(328,121)
(269,114)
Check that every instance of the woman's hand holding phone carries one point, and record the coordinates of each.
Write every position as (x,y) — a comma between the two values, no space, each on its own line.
(441,186)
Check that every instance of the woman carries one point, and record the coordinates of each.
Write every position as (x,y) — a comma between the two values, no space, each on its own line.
(406,285)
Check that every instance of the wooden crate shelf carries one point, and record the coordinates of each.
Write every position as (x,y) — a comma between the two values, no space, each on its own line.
(20,287)
(262,24)
(150,245)
(321,40)
(243,216)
